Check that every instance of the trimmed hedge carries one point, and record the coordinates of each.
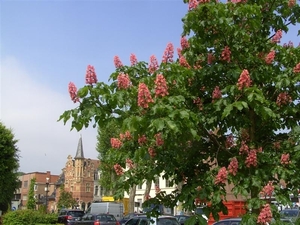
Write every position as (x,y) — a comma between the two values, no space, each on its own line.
(28,217)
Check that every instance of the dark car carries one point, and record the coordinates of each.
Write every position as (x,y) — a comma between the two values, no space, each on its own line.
(129,216)
(97,219)
(238,221)
(293,214)
(182,218)
(161,220)
(68,216)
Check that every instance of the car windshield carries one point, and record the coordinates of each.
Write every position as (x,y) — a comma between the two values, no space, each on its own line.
(167,221)
(289,213)
(106,218)
(76,213)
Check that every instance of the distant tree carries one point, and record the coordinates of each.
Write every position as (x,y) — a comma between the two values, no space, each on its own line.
(9,164)
(66,199)
(31,199)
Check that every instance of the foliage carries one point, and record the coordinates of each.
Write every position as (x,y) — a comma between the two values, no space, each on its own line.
(66,199)
(9,164)
(31,200)
(28,217)
(107,176)
(225,112)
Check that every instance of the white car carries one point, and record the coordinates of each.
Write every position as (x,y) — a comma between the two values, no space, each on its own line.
(161,220)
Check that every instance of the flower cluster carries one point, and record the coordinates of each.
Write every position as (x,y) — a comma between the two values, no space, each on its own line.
(265,215)
(216,93)
(157,189)
(251,159)
(152,152)
(90,76)
(244,80)
(118,169)
(126,136)
(144,97)
(184,43)
(179,52)
(73,92)
(276,145)
(221,176)
(229,141)
(291,3)
(233,166)
(270,57)
(161,88)
(238,1)
(226,54)
(168,53)
(199,103)
(183,62)
(158,139)
(288,45)
(268,189)
(210,58)
(123,81)
(129,163)
(283,99)
(133,59)
(142,140)
(193,4)
(285,159)
(276,38)
(244,149)
(116,143)
(153,66)
(117,62)
(296,69)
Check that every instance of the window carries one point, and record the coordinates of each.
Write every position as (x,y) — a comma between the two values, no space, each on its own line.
(140,186)
(25,184)
(71,188)
(157,181)
(96,190)
(35,187)
(168,183)
(88,187)
(24,197)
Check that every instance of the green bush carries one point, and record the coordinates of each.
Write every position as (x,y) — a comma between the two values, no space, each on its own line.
(28,217)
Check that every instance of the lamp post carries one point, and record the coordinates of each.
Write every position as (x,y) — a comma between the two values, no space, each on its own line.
(47,190)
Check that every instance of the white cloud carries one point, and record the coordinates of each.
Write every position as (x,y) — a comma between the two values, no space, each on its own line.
(31,110)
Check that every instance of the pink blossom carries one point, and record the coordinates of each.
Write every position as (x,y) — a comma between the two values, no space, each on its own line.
(153,66)
(268,190)
(126,136)
(73,92)
(296,69)
(193,4)
(265,215)
(116,143)
(244,149)
(183,62)
(276,38)
(133,59)
(216,94)
(118,169)
(291,3)
(233,166)
(129,163)
(244,80)
(123,81)
(161,88)
(117,62)
(199,103)
(225,56)
(229,141)
(152,152)
(288,45)
(144,96)
(184,43)
(221,176)
(168,54)
(285,159)
(90,76)
(179,52)
(158,139)
(251,159)
(210,58)
(270,57)
(142,140)
(283,99)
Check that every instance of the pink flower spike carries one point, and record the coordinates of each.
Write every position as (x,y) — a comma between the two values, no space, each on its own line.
(133,59)
(184,43)
(296,69)
(73,92)
(117,62)
(168,54)
(161,88)
(276,38)
(153,66)
(90,76)
(144,96)
(123,81)
(244,80)
(221,176)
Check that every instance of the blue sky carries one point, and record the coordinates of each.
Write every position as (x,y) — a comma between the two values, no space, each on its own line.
(47,44)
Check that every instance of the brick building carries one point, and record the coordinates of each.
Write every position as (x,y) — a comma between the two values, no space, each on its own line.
(80,176)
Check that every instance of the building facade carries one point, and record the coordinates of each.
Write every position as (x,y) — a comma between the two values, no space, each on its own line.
(81,177)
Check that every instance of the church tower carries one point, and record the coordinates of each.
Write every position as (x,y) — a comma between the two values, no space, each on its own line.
(79,162)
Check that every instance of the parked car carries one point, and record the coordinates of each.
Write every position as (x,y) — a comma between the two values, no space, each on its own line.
(97,219)
(68,216)
(129,216)
(161,220)
(182,218)
(238,221)
(292,214)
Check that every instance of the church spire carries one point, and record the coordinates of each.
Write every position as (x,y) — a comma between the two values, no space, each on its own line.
(79,152)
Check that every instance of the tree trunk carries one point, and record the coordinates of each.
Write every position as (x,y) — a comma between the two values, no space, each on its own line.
(147,190)
(131,199)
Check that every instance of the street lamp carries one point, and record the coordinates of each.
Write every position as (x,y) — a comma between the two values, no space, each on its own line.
(47,190)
